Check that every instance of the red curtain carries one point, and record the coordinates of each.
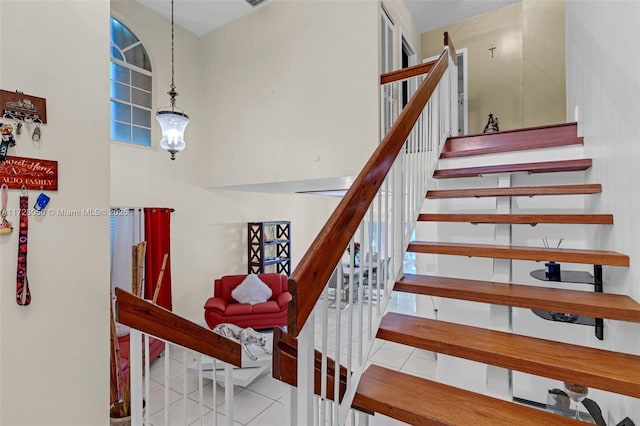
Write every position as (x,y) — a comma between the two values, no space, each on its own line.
(157,223)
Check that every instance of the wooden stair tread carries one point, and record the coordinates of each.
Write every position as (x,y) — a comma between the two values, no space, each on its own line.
(597,305)
(540,167)
(591,257)
(419,401)
(528,219)
(512,140)
(611,371)
(510,147)
(517,191)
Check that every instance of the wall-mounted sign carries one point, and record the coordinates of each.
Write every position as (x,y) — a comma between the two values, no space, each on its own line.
(23,107)
(31,173)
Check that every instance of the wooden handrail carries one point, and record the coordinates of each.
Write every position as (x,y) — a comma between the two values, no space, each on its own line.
(416,70)
(452,50)
(404,73)
(318,262)
(143,315)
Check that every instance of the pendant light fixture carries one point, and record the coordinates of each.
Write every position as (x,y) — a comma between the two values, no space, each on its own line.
(171,121)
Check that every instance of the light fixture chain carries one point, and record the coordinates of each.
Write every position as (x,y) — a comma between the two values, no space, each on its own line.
(172,55)
(171,121)
(172,92)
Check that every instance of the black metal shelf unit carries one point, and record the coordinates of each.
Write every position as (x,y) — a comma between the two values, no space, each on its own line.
(580,277)
(269,247)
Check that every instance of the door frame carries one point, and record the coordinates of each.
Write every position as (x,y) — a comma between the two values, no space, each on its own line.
(465,89)
(412,84)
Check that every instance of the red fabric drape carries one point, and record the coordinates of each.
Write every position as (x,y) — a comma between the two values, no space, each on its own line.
(157,223)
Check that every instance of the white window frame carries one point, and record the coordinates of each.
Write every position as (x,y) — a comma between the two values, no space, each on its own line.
(131,67)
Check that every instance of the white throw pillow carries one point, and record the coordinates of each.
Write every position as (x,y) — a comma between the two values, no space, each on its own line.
(252,290)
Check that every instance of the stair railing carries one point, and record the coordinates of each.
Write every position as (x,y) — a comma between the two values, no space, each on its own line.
(343,283)
(190,349)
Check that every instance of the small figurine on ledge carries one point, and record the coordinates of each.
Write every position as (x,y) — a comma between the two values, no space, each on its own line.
(492,125)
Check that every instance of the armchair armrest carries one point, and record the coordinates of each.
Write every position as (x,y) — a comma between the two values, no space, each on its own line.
(216,303)
(283,299)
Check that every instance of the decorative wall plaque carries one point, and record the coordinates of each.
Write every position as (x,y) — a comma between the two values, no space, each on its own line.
(23,107)
(31,173)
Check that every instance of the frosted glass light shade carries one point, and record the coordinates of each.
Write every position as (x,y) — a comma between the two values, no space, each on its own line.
(173,124)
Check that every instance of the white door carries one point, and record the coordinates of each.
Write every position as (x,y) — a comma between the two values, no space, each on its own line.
(388,110)
(463,90)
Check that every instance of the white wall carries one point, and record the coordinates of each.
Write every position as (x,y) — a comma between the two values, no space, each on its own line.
(603,85)
(147,177)
(292,92)
(54,353)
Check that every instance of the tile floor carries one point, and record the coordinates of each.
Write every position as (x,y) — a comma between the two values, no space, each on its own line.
(261,403)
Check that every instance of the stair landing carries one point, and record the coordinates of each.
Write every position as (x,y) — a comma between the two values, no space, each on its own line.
(512,140)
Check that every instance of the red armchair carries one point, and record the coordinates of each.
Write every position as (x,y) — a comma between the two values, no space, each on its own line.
(223,308)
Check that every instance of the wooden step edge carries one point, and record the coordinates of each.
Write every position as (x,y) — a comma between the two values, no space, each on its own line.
(420,401)
(505,147)
(537,254)
(592,304)
(517,191)
(606,370)
(519,219)
(521,130)
(539,167)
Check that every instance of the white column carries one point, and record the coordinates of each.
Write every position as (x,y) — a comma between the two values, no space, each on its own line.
(305,371)
(499,380)
(135,366)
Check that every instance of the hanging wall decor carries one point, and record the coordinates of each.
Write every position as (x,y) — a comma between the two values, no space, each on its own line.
(6,140)
(18,106)
(23,294)
(5,226)
(21,108)
(30,173)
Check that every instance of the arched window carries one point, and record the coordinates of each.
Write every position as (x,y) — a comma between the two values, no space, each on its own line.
(130,87)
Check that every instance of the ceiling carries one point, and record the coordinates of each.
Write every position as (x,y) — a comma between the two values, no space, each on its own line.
(203,16)
(431,14)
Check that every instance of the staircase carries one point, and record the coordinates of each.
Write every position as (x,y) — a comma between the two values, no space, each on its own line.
(420,401)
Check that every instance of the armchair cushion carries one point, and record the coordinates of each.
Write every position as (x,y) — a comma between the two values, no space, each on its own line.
(283,299)
(269,306)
